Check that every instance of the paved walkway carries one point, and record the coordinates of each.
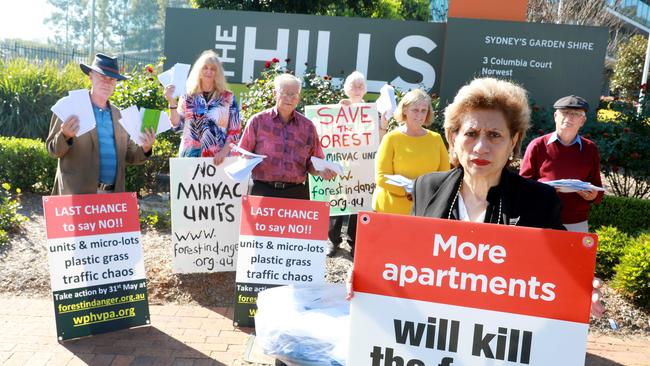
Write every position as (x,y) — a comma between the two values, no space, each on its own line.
(187,335)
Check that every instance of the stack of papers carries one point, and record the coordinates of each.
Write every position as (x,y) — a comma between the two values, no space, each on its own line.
(386,103)
(77,103)
(400,181)
(572,185)
(322,164)
(136,121)
(240,169)
(176,76)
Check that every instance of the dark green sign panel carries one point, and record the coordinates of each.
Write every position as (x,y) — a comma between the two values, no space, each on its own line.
(549,60)
(99,309)
(406,54)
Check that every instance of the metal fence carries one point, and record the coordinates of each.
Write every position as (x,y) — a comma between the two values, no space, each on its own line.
(10,51)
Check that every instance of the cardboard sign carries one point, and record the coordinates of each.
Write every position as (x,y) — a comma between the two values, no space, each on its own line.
(96,264)
(282,242)
(205,212)
(348,135)
(458,293)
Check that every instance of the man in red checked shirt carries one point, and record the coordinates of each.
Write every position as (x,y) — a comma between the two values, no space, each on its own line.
(564,154)
(288,139)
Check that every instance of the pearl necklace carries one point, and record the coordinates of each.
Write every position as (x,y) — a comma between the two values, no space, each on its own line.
(456,198)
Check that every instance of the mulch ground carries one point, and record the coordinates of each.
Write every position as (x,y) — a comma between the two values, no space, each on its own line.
(24,272)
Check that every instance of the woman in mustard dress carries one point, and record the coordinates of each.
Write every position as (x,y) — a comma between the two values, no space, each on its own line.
(410,151)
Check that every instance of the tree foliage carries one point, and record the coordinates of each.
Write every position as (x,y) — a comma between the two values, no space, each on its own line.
(120,25)
(578,12)
(385,9)
(628,69)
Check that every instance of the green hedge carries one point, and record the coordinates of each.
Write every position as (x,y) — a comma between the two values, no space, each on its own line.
(632,277)
(26,165)
(141,178)
(630,215)
(611,247)
(28,90)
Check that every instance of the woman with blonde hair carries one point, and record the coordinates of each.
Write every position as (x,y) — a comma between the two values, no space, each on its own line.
(208,114)
(410,151)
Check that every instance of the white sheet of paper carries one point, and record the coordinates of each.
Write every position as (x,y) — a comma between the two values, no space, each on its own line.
(386,103)
(179,78)
(166,77)
(322,164)
(238,149)
(76,103)
(572,185)
(400,181)
(164,123)
(132,122)
(241,169)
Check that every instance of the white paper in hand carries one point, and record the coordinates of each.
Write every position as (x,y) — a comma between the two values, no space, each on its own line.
(241,169)
(180,78)
(400,181)
(322,164)
(572,185)
(131,120)
(243,152)
(166,77)
(76,103)
(386,103)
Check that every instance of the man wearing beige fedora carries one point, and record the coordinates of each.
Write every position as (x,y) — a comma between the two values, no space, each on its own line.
(95,162)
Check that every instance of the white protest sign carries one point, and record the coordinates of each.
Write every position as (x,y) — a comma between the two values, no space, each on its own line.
(205,214)
(349,136)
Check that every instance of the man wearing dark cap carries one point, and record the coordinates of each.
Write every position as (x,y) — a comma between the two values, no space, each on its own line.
(564,154)
(94,162)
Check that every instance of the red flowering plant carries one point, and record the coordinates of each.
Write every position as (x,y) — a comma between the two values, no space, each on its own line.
(316,89)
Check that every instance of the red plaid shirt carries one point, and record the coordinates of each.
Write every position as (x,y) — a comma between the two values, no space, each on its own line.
(288,146)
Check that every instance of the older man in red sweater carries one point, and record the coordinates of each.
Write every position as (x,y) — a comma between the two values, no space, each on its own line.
(564,154)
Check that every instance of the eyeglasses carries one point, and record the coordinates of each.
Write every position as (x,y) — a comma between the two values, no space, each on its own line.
(571,113)
(288,95)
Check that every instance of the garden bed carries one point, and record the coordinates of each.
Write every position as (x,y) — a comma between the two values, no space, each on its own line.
(24,272)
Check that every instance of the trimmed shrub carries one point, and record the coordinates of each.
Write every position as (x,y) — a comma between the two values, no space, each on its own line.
(611,246)
(142,178)
(26,164)
(10,219)
(632,277)
(629,215)
(28,90)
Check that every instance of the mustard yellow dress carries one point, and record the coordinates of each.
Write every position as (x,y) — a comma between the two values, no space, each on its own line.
(410,157)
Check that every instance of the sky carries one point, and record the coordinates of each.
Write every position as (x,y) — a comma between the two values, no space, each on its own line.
(23,19)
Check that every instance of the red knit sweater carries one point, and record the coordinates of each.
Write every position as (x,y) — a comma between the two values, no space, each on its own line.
(555,161)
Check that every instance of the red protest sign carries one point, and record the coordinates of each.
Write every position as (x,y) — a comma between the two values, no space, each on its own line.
(493,291)
(281,217)
(90,214)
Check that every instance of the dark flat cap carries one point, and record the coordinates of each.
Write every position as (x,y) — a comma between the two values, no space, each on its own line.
(571,101)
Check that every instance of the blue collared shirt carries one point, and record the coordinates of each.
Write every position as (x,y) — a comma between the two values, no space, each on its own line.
(554,138)
(107,150)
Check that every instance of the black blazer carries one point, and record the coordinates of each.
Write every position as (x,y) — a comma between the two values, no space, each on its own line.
(524,202)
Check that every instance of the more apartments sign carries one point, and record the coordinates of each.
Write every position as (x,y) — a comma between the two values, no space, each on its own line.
(549,60)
